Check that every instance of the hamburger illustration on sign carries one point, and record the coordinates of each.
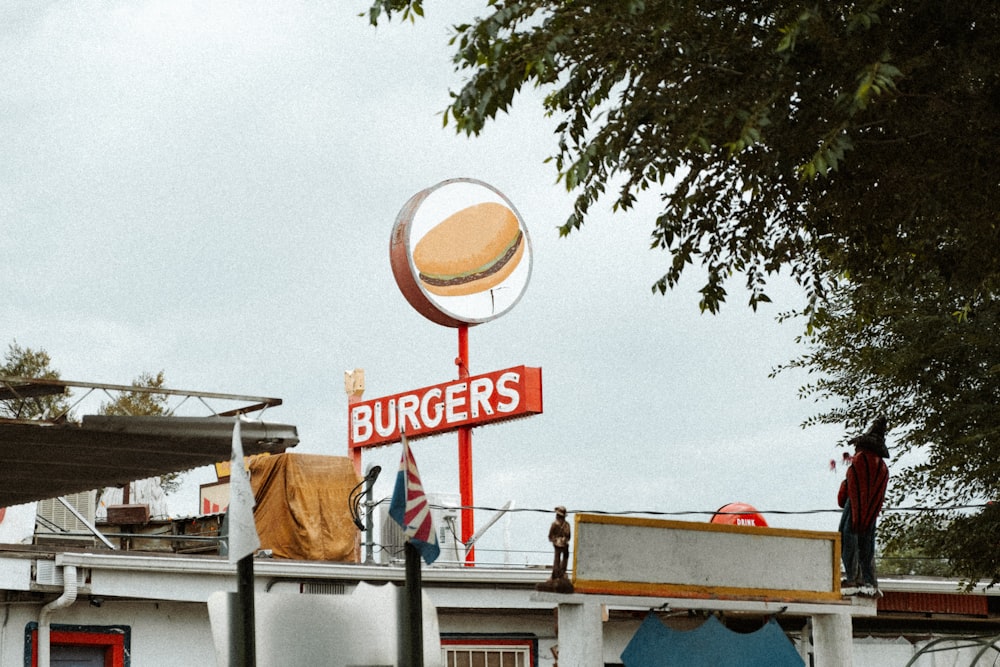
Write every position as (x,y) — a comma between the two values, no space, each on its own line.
(460,253)
(471,251)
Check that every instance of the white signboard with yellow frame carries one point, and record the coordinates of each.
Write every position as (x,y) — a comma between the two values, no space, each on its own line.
(652,557)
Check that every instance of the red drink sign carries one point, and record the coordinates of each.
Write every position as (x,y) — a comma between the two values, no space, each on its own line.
(472,401)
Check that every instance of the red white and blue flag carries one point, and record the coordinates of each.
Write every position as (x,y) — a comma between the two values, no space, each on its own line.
(410,509)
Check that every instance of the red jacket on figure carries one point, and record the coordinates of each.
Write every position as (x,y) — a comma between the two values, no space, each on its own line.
(865,487)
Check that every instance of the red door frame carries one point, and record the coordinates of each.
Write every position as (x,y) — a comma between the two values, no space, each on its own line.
(114,643)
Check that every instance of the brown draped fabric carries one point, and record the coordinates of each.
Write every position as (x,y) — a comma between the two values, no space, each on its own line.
(302,506)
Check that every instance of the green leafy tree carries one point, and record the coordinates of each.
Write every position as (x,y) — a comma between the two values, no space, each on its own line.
(961,543)
(139,402)
(932,366)
(849,144)
(25,362)
(832,139)
(913,560)
(144,403)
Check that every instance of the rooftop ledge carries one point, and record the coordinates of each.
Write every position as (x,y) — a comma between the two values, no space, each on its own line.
(854,606)
(434,577)
(117,564)
(291,569)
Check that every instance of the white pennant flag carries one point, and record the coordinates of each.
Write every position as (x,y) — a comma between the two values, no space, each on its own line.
(243,539)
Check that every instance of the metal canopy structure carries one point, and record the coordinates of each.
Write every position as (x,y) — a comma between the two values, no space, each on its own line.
(58,455)
(49,460)
(18,389)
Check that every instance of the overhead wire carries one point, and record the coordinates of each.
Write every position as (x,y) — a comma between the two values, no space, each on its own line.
(535,510)
(834,510)
(914,508)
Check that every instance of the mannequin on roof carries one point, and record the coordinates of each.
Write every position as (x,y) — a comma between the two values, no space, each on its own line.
(861,495)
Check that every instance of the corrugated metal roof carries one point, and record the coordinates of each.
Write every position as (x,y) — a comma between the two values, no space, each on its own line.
(39,461)
(934,603)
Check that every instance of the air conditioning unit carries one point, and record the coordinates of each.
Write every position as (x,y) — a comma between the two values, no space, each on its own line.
(447,519)
(445,508)
(54,522)
(391,541)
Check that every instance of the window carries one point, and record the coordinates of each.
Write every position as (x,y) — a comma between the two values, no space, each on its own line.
(480,651)
(90,645)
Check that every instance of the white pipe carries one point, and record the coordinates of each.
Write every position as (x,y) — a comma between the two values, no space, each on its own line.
(67,598)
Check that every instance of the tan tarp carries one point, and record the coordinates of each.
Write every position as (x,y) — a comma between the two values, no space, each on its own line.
(302,506)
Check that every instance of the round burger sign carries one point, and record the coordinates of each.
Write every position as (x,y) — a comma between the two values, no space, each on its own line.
(460,253)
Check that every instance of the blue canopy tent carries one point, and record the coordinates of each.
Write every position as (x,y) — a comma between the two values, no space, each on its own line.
(656,645)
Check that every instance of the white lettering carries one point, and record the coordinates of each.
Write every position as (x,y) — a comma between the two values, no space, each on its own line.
(446,406)
(408,405)
(385,427)
(508,392)
(427,406)
(480,390)
(454,400)
(361,423)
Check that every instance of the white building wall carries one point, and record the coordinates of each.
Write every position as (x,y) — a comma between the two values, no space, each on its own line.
(870,652)
(178,631)
(617,635)
(162,633)
(167,634)
(878,652)
(13,618)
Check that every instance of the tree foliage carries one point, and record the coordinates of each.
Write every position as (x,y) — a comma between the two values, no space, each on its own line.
(930,362)
(139,402)
(848,143)
(28,363)
(144,403)
(839,138)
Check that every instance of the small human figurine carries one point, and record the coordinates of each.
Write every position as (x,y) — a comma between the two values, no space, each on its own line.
(861,495)
(560,534)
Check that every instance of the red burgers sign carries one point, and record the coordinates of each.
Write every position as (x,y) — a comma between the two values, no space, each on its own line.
(479,399)
(461,256)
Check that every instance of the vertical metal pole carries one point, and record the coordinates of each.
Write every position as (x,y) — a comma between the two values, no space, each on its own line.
(369,518)
(465,453)
(412,648)
(243,643)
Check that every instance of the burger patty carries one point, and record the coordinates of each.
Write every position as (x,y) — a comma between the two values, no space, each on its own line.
(499,263)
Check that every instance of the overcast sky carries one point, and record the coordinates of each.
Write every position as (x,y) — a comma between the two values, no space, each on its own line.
(208,188)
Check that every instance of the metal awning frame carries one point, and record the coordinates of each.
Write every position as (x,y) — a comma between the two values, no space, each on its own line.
(20,388)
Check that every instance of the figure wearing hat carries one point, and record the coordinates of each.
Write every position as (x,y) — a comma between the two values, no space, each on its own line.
(861,495)
(559,535)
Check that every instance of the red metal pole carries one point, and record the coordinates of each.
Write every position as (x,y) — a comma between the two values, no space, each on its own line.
(465,452)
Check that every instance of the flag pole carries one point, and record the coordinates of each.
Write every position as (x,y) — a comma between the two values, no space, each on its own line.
(410,509)
(243,641)
(413,628)
(242,542)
